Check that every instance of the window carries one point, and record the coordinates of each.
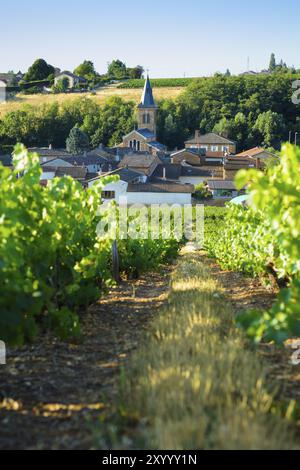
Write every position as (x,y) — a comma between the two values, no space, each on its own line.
(138,145)
(225,149)
(108,194)
(214,148)
(146,118)
(130,144)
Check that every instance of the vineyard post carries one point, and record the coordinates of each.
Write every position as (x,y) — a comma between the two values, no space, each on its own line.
(115,261)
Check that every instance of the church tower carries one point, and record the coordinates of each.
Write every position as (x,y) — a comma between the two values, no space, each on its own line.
(147,109)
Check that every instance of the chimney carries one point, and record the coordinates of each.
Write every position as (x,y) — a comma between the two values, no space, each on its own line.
(164,173)
(197,134)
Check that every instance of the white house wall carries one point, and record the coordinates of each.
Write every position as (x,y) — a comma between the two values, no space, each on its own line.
(48,175)
(195,180)
(158,198)
(119,188)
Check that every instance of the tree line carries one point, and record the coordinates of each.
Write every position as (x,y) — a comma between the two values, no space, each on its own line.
(252,110)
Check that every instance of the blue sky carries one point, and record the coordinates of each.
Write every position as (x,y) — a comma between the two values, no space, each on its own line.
(171,38)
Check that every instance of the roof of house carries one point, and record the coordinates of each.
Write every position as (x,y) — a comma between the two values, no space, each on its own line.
(49,152)
(70,74)
(125,174)
(160,187)
(76,172)
(145,133)
(198,152)
(221,184)
(253,152)
(192,171)
(210,138)
(88,159)
(157,145)
(172,171)
(147,100)
(138,161)
(234,163)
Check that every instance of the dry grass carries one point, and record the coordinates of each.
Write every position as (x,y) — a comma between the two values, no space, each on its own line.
(195,384)
(100,97)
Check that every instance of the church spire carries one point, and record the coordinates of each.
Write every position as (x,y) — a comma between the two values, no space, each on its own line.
(147,100)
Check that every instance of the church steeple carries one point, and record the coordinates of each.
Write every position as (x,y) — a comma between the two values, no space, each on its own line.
(147,109)
(147,100)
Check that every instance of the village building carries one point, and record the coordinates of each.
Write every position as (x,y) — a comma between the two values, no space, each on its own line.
(214,145)
(3,87)
(223,189)
(259,155)
(144,138)
(73,80)
(189,155)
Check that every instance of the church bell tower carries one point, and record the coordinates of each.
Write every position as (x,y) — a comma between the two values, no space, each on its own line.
(147,109)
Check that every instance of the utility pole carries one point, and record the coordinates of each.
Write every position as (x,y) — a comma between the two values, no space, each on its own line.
(296,135)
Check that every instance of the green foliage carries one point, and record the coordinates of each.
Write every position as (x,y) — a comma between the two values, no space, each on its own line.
(52,123)
(244,108)
(86,70)
(252,110)
(270,127)
(113,120)
(272,65)
(117,69)
(265,237)
(202,192)
(158,83)
(62,85)
(77,142)
(39,70)
(52,262)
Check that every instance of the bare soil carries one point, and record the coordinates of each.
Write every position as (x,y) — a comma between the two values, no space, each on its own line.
(52,392)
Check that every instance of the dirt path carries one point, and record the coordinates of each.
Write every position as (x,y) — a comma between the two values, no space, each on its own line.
(52,392)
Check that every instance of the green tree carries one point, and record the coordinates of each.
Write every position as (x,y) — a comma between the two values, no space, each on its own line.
(170,130)
(135,72)
(62,85)
(270,127)
(113,120)
(77,142)
(272,66)
(117,69)
(86,70)
(39,70)
(224,128)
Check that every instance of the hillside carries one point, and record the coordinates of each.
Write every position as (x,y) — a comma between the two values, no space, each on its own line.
(100,96)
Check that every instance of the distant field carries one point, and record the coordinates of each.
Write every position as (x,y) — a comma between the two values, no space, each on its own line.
(100,97)
(158,83)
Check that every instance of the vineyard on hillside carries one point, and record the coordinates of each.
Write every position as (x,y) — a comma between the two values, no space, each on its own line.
(158,83)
